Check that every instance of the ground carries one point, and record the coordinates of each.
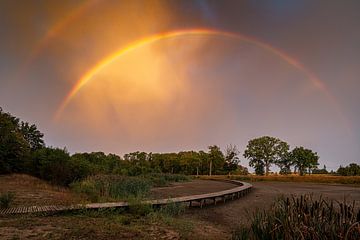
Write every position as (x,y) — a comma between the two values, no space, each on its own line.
(212,222)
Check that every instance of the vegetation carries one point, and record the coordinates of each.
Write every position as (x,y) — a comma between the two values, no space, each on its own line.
(264,151)
(303,218)
(6,199)
(314,178)
(304,159)
(22,150)
(352,170)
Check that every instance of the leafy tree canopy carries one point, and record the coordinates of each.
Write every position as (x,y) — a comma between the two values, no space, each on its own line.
(264,151)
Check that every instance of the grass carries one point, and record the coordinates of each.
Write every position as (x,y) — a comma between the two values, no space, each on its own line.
(112,187)
(314,178)
(303,218)
(122,188)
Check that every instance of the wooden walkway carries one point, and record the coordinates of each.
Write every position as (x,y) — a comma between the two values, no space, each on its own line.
(193,200)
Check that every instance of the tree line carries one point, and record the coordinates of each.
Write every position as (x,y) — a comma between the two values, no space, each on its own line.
(22,150)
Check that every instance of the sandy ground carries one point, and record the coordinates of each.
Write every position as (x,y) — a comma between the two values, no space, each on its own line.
(30,191)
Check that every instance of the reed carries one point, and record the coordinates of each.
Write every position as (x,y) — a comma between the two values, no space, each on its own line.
(303,217)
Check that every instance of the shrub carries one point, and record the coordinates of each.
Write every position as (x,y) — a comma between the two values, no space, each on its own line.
(6,199)
(303,218)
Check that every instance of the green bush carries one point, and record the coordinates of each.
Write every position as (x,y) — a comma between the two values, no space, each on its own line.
(303,218)
(6,199)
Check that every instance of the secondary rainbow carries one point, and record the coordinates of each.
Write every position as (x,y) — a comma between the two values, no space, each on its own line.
(188,32)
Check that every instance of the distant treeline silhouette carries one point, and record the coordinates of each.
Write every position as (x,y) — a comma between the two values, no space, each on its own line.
(22,150)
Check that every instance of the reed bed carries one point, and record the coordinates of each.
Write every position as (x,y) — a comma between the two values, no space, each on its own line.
(303,217)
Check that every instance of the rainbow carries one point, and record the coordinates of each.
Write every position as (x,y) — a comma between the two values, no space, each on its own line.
(57,28)
(188,32)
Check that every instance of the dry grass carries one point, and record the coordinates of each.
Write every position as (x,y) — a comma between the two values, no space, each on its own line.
(313,178)
(31,191)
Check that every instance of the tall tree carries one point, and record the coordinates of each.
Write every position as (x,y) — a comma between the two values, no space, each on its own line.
(32,135)
(285,164)
(231,158)
(216,159)
(264,151)
(14,149)
(304,159)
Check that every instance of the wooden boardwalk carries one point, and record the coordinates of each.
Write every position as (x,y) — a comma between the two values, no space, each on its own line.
(193,200)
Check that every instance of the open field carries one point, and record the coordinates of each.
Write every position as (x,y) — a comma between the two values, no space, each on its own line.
(212,222)
(314,178)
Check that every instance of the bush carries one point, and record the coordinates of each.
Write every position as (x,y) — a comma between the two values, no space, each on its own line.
(303,218)
(6,199)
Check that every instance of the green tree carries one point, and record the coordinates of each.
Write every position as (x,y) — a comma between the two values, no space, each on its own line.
(352,169)
(14,149)
(264,151)
(231,158)
(285,164)
(304,159)
(216,159)
(54,165)
(32,135)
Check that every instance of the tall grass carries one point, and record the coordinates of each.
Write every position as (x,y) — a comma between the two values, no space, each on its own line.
(112,187)
(303,218)
(117,187)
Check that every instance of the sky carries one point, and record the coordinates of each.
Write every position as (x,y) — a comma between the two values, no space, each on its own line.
(166,76)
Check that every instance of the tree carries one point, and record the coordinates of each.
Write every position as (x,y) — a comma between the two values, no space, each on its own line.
(14,149)
(54,165)
(231,158)
(352,170)
(32,135)
(304,159)
(264,151)
(216,159)
(285,164)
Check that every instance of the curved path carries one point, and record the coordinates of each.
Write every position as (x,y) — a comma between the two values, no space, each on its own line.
(240,190)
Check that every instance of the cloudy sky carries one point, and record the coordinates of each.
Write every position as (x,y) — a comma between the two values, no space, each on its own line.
(159,76)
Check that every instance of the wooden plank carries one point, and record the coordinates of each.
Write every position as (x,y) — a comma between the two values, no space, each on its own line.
(242,189)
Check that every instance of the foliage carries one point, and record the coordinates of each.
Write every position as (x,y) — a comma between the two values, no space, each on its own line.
(55,165)
(14,150)
(304,159)
(6,199)
(216,159)
(264,151)
(231,158)
(112,187)
(172,209)
(320,171)
(352,170)
(303,218)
